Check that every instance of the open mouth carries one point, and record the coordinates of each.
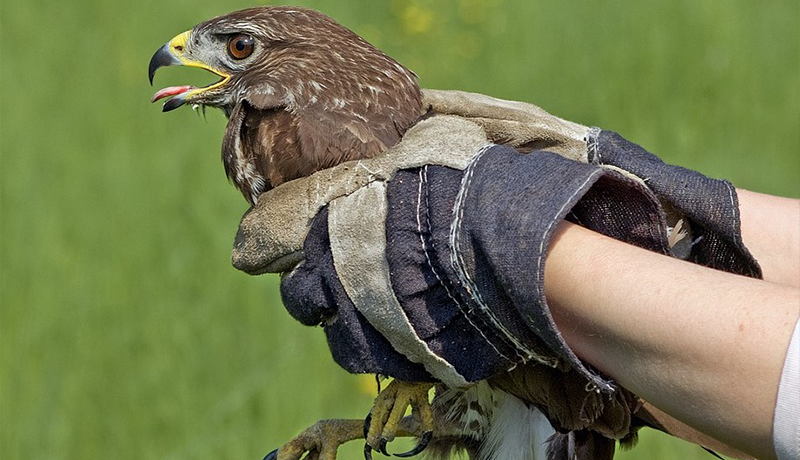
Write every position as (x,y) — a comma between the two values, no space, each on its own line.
(180,94)
(171,91)
(173,53)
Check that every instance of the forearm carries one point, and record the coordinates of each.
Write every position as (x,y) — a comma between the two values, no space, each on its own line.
(707,347)
(771,230)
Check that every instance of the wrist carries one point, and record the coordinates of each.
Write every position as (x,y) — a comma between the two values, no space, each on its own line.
(771,231)
(674,332)
(576,295)
(563,269)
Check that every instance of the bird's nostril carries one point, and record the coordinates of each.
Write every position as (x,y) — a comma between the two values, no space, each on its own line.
(178,48)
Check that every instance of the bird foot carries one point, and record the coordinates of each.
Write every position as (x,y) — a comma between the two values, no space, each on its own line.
(383,423)
(321,440)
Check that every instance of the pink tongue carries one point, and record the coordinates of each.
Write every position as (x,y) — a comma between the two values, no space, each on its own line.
(170,91)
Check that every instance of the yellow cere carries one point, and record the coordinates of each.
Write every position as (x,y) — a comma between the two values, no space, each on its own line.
(177,46)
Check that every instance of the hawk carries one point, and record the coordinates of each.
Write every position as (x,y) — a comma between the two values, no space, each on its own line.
(303,93)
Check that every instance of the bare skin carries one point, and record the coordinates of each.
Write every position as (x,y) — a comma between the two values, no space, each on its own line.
(706,347)
(771,230)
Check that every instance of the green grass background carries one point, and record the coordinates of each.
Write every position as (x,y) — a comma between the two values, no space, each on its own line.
(125,333)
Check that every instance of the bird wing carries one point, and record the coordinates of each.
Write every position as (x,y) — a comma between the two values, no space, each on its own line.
(329,138)
(234,157)
(264,148)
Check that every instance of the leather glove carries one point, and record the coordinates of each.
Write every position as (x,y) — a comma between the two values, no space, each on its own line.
(438,273)
(427,262)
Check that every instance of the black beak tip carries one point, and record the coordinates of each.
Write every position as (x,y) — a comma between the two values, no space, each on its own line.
(154,65)
(172,104)
(162,57)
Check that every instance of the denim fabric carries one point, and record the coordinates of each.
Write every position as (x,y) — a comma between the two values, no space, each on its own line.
(465,251)
(509,207)
(313,295)
(443,314)
(710,204)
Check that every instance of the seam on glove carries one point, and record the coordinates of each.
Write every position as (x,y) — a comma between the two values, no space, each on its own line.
(737,229)
(737,223)
(625,173)
(539,274)
(524,352)
(423,180)
(364,273)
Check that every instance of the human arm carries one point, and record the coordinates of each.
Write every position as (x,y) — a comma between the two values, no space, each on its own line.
(507,240)
(771,230)
(503,231)
(705,346)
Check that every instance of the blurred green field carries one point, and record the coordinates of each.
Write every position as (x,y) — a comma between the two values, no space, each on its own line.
(124,331)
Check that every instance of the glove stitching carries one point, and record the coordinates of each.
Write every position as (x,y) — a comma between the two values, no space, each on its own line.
(458,264)
(576,218)
(423,179)
(735,209)
(539,274)
(736,231)
(350,218)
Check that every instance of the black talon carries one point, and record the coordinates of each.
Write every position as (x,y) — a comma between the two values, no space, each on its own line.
(423,443)
(367,423)
(382,447)
(367,447)
(272,455)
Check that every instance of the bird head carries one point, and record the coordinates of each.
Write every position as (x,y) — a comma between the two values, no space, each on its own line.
(278,57)
(301,92)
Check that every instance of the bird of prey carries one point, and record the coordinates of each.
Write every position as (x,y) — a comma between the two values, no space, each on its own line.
(303,93)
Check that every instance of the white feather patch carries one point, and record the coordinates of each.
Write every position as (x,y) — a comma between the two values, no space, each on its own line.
(516,432)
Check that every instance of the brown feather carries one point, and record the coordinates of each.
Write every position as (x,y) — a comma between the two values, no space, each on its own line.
(592,420)
(317,95)
(563,398)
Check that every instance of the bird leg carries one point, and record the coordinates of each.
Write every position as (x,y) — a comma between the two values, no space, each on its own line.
(322,439)
(383,422)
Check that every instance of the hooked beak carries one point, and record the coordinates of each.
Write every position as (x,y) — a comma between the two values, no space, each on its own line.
(162,58)
(174,53)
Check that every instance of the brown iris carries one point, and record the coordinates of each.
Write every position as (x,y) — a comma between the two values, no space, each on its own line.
(240,46)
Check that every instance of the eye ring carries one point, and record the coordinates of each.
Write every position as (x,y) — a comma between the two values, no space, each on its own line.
(240,46)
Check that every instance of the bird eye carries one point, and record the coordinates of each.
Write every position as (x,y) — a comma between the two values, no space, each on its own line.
(240,46)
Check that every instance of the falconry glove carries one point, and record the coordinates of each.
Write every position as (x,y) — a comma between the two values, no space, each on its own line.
(702,213)
(427,262)
(437,273)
